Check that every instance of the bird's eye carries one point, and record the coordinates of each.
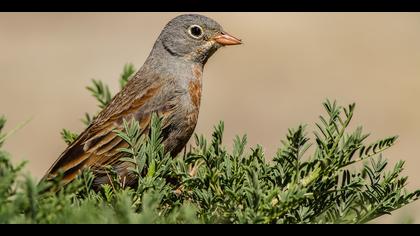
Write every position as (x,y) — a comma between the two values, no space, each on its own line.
(195,31)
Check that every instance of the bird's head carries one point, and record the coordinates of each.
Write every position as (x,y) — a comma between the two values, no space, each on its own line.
(194,37)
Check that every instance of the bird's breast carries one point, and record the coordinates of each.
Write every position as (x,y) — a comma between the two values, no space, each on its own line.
(195,85)
(187,109)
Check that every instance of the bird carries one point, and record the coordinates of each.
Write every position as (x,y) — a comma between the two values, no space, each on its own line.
(169,84)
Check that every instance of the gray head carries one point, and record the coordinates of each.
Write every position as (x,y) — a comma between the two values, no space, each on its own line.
(193,38)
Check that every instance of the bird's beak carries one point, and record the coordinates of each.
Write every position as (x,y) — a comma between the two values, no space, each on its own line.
(226,39)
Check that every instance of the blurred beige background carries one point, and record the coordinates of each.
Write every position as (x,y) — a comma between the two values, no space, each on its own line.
(289,64)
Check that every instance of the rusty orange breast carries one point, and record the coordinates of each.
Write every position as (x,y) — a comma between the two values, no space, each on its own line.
(195,86)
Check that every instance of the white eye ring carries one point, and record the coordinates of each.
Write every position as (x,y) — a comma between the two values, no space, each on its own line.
(195,31)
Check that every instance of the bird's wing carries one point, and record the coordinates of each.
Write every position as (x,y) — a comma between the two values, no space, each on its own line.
(98,145)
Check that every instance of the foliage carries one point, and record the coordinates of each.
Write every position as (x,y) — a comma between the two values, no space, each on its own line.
(337,178)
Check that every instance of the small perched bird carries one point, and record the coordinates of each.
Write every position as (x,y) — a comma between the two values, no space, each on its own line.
(169,84)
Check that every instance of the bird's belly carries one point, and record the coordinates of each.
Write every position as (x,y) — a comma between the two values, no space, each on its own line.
(180,130)
(175,134)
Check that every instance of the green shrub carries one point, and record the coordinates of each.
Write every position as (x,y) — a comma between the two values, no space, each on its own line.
(208,184)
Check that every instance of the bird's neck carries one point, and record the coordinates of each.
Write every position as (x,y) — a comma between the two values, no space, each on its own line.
(159,49)
(165,61)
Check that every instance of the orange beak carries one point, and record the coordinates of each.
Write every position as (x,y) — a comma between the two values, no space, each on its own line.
(226,39)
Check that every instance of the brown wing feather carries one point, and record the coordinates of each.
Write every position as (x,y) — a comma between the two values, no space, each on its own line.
(97,146)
